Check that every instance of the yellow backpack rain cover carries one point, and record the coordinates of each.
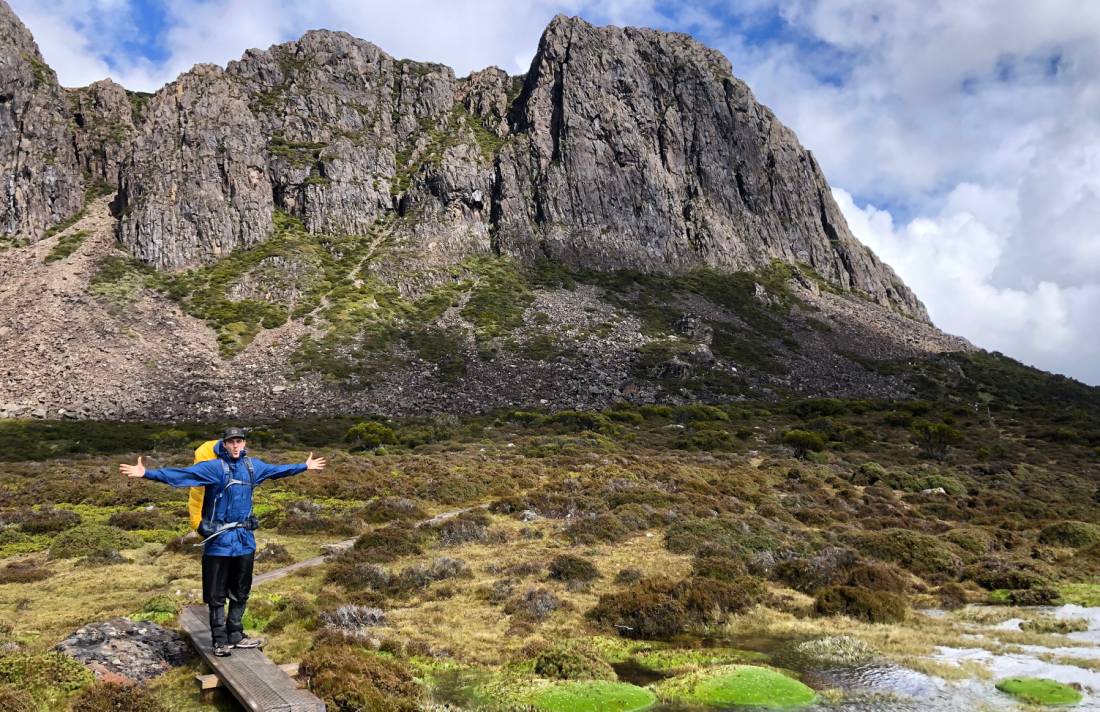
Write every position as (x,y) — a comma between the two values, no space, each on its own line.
(203,453)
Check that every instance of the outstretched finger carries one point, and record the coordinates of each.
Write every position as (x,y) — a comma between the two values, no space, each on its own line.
(139,461)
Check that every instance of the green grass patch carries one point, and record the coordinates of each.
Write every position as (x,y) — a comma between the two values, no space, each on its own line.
(65,246)
(1081,594)
(1040,691)
(592,696)
(678,660)
(737,685)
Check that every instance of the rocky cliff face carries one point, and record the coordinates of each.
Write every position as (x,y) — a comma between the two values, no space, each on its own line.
(40,179)
(620,149)
(623,221)
(639,149)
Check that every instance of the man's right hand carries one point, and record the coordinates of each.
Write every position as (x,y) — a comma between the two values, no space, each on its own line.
(137,470)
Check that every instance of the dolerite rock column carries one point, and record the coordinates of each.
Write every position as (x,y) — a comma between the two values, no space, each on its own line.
(40,180)
(104,119)
(195,186)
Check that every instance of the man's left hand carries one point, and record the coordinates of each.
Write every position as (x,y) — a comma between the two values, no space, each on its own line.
(315,463)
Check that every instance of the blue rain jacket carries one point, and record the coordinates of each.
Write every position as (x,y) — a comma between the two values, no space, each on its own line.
(223,504)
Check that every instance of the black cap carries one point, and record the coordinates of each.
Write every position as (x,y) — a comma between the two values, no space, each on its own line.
(234,433)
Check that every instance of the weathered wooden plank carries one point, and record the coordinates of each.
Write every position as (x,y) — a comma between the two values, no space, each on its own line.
(257,683)
(210,682)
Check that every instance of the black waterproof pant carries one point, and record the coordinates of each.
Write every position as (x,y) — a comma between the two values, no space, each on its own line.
(226,577)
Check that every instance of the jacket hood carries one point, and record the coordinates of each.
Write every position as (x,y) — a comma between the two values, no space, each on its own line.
(221,452)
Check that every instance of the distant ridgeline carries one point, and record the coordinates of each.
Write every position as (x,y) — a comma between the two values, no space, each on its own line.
(326,229)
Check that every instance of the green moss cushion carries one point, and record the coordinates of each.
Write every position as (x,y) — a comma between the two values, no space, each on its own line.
(1040,691)
(592,696)
(738,685)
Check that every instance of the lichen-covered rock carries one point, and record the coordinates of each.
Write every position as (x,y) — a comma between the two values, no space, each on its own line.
(121,650)
(40,179)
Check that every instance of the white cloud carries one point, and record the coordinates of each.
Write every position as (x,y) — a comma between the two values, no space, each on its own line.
(950,259)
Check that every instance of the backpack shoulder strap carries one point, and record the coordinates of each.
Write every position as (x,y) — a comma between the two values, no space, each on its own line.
(251,472)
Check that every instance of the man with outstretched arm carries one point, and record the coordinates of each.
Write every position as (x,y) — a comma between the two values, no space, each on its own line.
(227,524)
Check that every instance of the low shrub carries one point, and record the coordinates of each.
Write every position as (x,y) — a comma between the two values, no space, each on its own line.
(159,609)
(47,520)
(92,540)
(104,696)
(829,567)
(389,543)
(952,595)
(294,608)
(629,575)
(719,568)
(352,620)
(1070,534)
(710,601)
(355,574)
(725,534)
(391,509)
(700,413)
(916,551)
(13,699)
(599,529)
(274,553)
(306,517)
(47,673)
(145,518)
(23,572)
(534,604)
(465,528)
(860,603)
(574,571)
(877,576)
(420,576)
(802,442)
(1037,596)
(348,677)
(994,574)
(934,439)
(577,421)
(647,609)
(573,660)
(661,608)
(370,435)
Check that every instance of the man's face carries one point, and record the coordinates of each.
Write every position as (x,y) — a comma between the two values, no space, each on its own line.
(234,446)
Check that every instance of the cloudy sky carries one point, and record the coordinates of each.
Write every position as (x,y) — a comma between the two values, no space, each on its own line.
(962,139)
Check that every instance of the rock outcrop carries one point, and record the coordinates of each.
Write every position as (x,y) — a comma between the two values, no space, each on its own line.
(40,179)
(122,650)
(426,243)
(639,149)
(194,185)
(103,114)
(621,148)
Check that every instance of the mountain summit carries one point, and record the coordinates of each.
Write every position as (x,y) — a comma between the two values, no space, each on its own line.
(382,213)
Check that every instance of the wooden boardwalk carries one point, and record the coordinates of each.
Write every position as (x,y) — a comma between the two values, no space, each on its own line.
(257,683)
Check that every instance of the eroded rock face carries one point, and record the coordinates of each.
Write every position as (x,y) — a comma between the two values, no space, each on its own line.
(195,185)
(621,148)
(104,118)
(639,149)
(40,180)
